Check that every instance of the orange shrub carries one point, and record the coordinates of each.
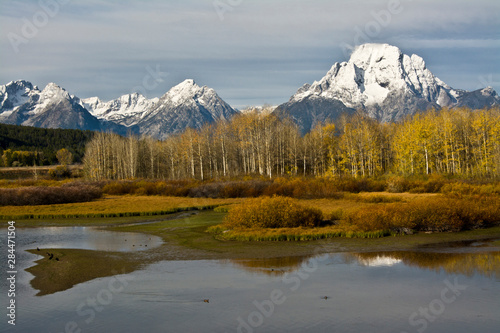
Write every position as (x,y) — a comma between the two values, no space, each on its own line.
(275,212)
(428,214)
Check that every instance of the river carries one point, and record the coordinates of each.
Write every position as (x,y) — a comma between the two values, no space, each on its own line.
(452,288)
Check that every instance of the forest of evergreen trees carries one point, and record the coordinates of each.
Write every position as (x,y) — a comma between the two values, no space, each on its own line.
(457,141)
(25,146)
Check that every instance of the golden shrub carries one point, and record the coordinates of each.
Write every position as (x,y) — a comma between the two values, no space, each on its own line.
(272,212)
(429,214)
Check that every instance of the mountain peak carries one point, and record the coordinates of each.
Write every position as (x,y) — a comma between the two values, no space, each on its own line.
(375,72)
(188,82)
(14,94)
(488,91)
(53,91)
(185,86)
(184,92)
(184,105)
(382,81)
(369,54)
(20,84)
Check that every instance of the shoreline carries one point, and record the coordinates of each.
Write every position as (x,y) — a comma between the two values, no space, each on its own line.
(185,238)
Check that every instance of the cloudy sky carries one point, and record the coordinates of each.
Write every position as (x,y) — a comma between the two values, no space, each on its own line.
(250,51)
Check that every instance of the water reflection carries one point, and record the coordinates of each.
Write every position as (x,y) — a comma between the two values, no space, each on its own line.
(378,260)
(74,238)
(271,266)
(468,264)
(89,238)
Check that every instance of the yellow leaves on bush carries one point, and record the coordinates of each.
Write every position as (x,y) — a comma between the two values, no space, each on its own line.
(275,212)
(428,214)
(460,190)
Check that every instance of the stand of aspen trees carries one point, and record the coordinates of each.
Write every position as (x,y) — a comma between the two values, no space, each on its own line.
(457,141)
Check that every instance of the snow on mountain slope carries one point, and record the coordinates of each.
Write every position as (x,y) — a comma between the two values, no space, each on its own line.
(53,107)
(185,105)
(373,72)
(13,95)
(126,110)
(378,79)
(382,81)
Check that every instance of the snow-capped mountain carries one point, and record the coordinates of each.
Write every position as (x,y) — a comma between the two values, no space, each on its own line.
(126,110)
(15,94)
(378,79)
(185,105)
(382,81)
(53,107)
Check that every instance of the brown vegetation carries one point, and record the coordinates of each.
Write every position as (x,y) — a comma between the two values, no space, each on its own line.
(296,187)
(120,206)
(428,214)
(40,195)
(275,212)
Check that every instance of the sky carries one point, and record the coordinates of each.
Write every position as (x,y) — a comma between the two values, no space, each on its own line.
(252,52)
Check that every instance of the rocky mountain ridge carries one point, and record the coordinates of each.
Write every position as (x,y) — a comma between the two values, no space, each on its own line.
(384,83)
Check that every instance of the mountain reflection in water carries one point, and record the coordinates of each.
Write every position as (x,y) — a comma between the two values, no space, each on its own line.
(468,264)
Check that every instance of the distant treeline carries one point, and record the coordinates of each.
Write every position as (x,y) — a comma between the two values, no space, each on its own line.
(459,142)
(25,146)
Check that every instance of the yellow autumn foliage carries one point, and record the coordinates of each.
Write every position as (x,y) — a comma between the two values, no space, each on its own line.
(272,212)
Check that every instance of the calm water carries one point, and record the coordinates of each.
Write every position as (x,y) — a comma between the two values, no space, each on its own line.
(432,291)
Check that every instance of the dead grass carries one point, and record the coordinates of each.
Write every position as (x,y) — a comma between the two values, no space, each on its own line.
(42,195)
(354,202)
(373,215)
(113,206)
(294,234)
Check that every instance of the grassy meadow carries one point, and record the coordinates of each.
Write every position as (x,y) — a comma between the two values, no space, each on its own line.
(282,209)
(112,206)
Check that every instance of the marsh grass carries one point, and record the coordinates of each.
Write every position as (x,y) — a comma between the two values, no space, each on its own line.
(372,216)
(113,206)
(377,197)
(460,190)
(293,234)
(42,195)
(285,219)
